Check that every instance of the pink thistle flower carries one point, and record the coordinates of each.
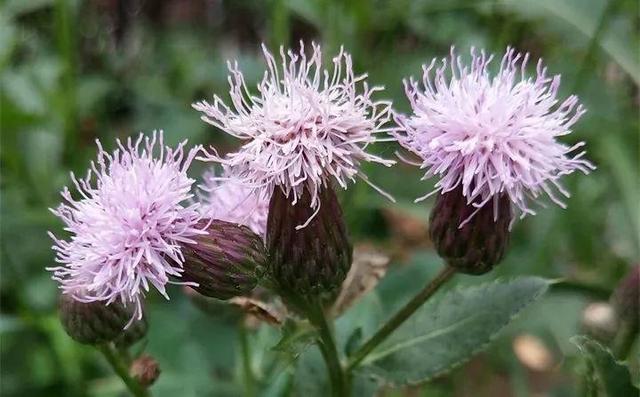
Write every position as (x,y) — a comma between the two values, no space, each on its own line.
(226,199)
(305,126)
(492,135)
(127,224)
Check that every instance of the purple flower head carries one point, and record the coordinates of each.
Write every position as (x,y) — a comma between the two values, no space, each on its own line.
(226,199)
(127,223)
(305,126)
(492,135)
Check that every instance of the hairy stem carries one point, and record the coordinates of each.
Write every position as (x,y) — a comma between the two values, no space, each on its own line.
(121,368)
(401,316)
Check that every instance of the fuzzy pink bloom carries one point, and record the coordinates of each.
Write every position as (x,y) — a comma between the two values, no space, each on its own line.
(492,134)
(306,126)
(226,199)
(127,223)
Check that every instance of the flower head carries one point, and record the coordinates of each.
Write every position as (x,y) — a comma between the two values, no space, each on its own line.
(127,223)
(227,199)
(491,135)
(306,126)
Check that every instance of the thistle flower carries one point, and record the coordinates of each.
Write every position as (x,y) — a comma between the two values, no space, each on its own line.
(225,198)
(128,223)
(306,127)
(492,135)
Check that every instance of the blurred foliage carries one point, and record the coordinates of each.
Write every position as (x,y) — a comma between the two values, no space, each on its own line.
(74,71)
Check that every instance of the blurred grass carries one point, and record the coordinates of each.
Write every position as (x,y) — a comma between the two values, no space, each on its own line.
(73,71)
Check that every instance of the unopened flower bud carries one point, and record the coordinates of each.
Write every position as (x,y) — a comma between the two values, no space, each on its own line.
(94,322)
(145,370)
(226,262)
(132,334)
(471,240)
(307,262)
(626,299)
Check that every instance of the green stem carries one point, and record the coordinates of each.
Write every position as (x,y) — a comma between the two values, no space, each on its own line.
(623,341)
(591,290)
(121,368)
(329,350)
(249,380)
(401,316)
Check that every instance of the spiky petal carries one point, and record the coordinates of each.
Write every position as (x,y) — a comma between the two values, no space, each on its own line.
(227,199)
(127,224)
(305,127)
(492,134)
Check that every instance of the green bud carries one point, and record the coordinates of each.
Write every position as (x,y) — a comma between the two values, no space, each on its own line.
(477,246)
(228,261)
(92,323)
(310,263)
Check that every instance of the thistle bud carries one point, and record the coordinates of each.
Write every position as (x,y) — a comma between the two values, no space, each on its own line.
(626,299)
(145,370)
(135,332)
(94,322)
(311,262)
(226,262)
(471,240)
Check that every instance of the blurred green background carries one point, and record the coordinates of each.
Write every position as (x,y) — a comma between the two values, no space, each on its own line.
(74,71)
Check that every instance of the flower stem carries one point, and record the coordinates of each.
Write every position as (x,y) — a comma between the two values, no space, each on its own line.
(329,350)
(623,341)
(121,368)
(401,316)
(249,380)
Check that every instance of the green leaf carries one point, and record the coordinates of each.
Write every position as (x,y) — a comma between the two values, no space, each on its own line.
(448,331)
(613,377)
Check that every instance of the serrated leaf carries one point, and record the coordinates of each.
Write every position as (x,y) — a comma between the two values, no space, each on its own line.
(614,377)
(448,331)
(368,268)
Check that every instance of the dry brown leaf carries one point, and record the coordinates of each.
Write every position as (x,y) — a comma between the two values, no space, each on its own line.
(369,266)
(411,231)
(262,311)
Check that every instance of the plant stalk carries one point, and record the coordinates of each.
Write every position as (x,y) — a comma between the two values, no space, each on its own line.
(121,368)
(624,340)
(329,350)
(401,316)
(249,379)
